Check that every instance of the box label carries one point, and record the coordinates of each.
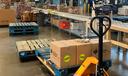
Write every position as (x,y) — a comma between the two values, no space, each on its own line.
(67,58)
(82,57)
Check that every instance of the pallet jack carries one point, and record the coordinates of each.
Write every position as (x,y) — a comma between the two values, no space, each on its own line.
(93,66)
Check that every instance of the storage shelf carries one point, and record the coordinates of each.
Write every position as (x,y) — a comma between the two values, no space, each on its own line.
(63,14)
(119,44)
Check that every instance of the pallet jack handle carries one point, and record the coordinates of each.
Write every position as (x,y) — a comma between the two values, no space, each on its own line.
(100,33)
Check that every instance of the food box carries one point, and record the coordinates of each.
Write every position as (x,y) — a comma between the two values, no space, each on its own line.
(106,48)
(83,50)
(63,55)
(7,16)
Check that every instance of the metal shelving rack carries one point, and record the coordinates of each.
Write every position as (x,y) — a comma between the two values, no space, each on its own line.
(86,19)
(122,30)
(116,26)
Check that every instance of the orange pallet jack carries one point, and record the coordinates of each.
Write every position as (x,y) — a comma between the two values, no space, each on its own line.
(93,66)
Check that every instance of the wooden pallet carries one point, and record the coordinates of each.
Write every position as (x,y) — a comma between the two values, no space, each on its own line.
(32,45)
(45,60)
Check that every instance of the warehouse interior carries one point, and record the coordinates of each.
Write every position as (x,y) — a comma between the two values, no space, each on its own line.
(63,37)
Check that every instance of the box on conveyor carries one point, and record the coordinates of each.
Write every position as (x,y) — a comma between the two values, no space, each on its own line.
(63,55)
(106,48)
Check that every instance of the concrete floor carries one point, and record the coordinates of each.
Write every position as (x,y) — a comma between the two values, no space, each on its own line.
(11,66)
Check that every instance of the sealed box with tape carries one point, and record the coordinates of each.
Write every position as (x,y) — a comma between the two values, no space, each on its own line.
(83,49)
(106,48)
(63,55)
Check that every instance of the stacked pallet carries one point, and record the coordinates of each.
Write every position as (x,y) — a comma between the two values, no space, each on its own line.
(26,49)
(23,28)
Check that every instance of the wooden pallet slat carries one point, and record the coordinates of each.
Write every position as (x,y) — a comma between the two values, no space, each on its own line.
(19,46)
(35,44)
(47,42)
(30,45)
(22,46)
(39,43)
(44,43)
(45,63)
(26,46)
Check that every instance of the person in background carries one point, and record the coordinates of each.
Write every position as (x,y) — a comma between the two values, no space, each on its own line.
(90,5)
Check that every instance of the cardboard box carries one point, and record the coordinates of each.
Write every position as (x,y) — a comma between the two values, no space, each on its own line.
(106,48)
(55,21)
(7,16)
(87,49)
(64,55)
(76,50)
(83,50)
(26,16)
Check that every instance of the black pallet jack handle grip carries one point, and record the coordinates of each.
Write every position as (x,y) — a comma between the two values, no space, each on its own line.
(100,33)
(101,19)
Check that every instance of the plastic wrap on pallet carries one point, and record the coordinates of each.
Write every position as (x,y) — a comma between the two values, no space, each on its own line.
(6,1)
(73,10)
(28,16)
(21,7)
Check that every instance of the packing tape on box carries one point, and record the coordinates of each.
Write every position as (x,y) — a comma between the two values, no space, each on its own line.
(82,57)
(67,58)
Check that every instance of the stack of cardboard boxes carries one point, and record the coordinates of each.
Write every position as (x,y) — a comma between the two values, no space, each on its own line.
(21,8)
(69,53)
(28,16)
(7,16)
(70,9)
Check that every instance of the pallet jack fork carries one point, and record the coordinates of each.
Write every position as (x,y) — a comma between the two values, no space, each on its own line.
(88,67)
(93,66)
